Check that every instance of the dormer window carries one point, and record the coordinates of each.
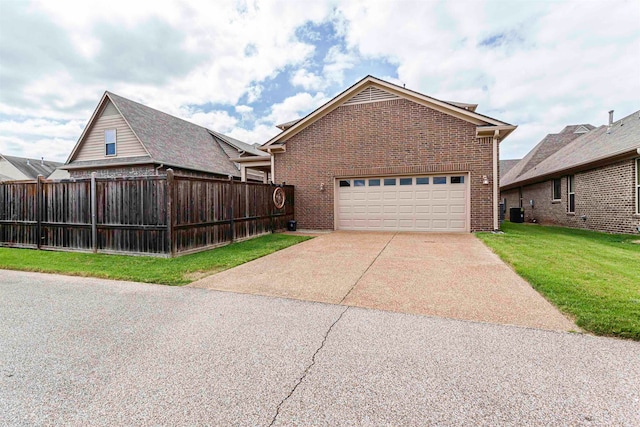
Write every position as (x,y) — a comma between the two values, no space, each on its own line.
(110,142)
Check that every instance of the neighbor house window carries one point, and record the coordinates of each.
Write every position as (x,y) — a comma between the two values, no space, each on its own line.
(638,186)
(572,194)
(557,186)
(110,142)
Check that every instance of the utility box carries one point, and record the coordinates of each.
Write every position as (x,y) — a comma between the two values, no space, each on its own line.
(516,215)
(292,225)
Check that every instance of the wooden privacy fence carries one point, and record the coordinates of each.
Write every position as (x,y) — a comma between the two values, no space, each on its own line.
(151,215)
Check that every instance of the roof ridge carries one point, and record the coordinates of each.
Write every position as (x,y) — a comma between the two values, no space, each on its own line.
(590,138)
(161,112)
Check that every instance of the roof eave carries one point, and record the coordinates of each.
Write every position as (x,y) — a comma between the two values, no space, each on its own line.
(490,131)
(602,161)
(335,102)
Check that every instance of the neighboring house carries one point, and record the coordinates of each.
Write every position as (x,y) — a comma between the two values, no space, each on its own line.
(125,138)
(506,165)
(14,168)
(382,157)
(589,180)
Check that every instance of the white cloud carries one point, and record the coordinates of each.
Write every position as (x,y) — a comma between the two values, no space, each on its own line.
(295,107)
(307,80)
(336,62)
(219,121)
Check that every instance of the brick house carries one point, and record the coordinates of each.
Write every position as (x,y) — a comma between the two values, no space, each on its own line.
(125,138)
(584,177)
(382,157)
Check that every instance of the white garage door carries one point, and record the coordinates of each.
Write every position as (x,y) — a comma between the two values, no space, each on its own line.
(411,203)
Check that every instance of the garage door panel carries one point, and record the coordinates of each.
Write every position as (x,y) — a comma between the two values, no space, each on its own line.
(421,203)
(440,194)
(460,224)
(457,195)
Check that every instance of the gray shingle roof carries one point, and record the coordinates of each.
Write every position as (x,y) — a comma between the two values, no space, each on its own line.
(545,148)
(174,141)
(506,165)
(242,146)
(33,167)
(599,144)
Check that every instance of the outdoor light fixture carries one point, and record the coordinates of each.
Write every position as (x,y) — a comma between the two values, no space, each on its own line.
(322,187)
(485,179)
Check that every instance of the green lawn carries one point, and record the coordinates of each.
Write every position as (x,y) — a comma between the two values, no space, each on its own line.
(166,271)
(593,277)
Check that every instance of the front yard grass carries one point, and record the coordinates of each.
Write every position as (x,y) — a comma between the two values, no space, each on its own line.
(166,271)
(594,277)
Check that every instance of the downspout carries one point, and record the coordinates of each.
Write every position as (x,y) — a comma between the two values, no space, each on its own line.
(273,166)
(496,214)
(162,165)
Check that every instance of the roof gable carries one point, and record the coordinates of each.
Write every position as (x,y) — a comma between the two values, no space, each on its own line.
(545,148)
(372,89)
(371,94)
(167,139)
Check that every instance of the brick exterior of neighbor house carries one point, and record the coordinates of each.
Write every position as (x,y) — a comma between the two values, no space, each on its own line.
(394,137)
(605,200)
(603,162)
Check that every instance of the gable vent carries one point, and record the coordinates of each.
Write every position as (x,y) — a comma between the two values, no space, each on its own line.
(371,94)
(581,129)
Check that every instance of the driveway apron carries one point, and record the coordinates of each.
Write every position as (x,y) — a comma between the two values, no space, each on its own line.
(446,275)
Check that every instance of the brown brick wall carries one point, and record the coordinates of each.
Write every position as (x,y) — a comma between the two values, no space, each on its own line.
(605,196)
(139,170)
(383,138)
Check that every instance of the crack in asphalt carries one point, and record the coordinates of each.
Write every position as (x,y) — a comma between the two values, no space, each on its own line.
(365,272)
(306,371)
(326,335)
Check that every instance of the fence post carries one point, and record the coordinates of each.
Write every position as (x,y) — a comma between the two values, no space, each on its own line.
(232,199)
(271,206)
(94,213)
(39,197)
(170,216)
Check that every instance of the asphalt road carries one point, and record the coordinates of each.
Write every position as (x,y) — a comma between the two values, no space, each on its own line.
(77,351)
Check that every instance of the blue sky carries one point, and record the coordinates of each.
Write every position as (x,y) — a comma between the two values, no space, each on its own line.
(241,67)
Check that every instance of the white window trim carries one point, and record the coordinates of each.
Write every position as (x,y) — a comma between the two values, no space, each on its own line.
(115,143)
(569,193)
(553,190)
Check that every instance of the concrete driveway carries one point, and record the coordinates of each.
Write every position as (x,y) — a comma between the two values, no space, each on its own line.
(447,275)
(77,351)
